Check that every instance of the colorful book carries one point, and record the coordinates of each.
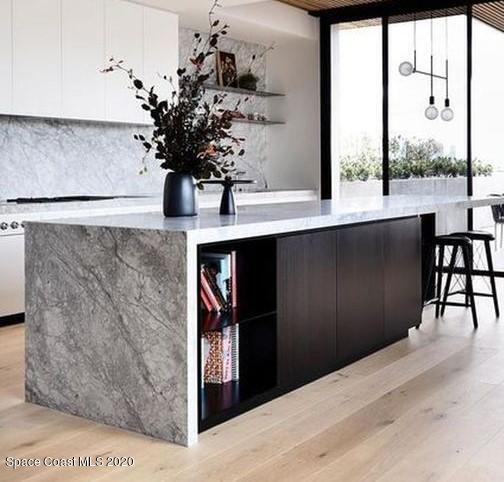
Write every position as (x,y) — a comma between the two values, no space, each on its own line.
(205,285)
(233,289)
(220,355)
(211,277)
(235,352)
(220,267)
(205,301)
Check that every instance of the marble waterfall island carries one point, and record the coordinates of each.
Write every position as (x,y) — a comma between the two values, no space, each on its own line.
(112,302)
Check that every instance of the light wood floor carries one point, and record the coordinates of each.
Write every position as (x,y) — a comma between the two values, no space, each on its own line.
(430,407)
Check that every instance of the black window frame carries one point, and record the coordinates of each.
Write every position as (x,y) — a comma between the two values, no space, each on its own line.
(383,11)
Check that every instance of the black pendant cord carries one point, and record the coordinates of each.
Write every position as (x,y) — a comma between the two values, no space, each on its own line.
(447,95)
(432,61)
(414,43)
(447,101)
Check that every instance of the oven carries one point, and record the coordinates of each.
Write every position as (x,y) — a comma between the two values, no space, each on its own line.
(12,267)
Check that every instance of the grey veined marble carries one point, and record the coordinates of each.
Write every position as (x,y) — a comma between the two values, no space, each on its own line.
(106,334)
(112,303)
(52,157)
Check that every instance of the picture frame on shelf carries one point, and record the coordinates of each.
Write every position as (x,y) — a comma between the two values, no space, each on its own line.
(227,73)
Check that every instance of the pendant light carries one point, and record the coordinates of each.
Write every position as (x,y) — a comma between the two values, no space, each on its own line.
(447,113)
(407,68)
(432,112)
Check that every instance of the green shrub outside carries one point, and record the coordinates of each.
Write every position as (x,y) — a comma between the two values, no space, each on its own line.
(409,159)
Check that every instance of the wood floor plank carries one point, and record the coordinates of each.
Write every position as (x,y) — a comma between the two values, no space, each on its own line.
(430,407)
(326,447)
(374,457)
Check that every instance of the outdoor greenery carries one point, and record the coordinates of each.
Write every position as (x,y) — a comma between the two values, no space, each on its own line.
(409,158)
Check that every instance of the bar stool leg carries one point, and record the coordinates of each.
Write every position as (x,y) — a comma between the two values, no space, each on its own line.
(488,251)
(439,278)
(451,268)
(471,257)
(467,263)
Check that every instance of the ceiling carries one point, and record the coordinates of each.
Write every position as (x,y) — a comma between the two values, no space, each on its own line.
(491,13)
(251,20)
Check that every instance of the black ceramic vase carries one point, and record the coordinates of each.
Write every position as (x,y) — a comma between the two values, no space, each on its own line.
(180,195)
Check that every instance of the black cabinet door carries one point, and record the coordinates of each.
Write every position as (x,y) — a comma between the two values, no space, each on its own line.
(402,276)
(360,290)
(306,267)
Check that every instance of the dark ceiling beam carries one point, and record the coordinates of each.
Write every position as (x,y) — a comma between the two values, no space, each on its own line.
(389,8)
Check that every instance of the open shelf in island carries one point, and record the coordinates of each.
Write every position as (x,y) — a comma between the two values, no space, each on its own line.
(237,346)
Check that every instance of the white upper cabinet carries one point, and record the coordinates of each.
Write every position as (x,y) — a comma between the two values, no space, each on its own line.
(160,51)
(52,51)
(5,56)
(83,50)
(124,40)
(36,57)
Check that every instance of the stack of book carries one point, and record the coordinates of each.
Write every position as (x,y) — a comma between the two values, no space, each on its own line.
(220,342)
(218,282)
(220,357)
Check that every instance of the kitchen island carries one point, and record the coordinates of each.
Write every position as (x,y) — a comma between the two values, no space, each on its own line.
(114,323)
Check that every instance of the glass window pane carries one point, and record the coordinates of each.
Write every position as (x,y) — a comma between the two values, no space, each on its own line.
(487,131)
(357,109)
(429,156)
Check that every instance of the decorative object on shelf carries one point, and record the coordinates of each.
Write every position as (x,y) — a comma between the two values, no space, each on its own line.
(256,116)
(191,136)
(226,69)
(407,68)
(248,81)
(228,205)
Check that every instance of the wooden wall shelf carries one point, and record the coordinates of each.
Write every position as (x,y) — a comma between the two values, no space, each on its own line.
(259,122)
(237,90)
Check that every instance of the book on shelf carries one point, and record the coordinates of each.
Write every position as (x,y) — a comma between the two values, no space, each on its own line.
(205,300)
(220,355)
(209,293)
(218,280)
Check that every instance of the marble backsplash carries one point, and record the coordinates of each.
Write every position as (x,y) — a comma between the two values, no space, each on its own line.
(46,157)
(54,157)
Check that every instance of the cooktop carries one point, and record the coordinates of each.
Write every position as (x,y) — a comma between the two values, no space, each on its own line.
(62,199)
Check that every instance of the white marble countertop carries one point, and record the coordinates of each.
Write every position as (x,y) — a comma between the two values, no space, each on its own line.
(267,219)
(151,203)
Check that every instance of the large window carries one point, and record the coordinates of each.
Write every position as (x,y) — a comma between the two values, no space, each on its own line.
(429,156)
(487,130)
(357,109)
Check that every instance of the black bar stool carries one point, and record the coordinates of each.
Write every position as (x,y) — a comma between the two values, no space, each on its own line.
(486,238)
(456,242)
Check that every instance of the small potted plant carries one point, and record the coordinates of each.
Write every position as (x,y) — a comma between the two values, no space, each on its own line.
(192,136)
(248,80)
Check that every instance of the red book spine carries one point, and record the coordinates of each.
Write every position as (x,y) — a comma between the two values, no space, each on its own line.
(206,286)
(234,293)
(206,302)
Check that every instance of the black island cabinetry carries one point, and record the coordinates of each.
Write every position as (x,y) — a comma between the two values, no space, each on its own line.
(311,302)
